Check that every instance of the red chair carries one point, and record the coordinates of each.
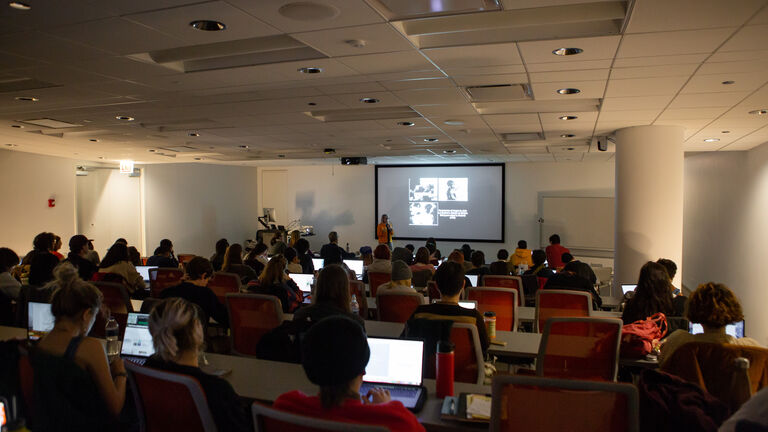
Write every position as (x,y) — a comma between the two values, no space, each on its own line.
(267,419)
(162,278)
(375,279)
(469,364)
(502,301)
(542,282)
(523,403)
(560,303)
(398,306)
(357,288)
(504,282)
(251,316)
(168,401)
(580,348)
(224,283)
(432,291)
(115,302)
(185,258)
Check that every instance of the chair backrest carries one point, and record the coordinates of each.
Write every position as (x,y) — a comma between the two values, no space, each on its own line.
(496,281)
(468,361)
(184,258)
(169,401)
(525,403)
(530,286)
(162,278)
(502,301)
(560,303)
(432,291)
(268,419)
(580,348)
(420,278)
(224,283)
(542,281)
(251,316)
(357,288)
(377,278)
(397,307)
(115,297)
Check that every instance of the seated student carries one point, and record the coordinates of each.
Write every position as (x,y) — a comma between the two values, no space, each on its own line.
(217,259)
(331,297)
(334,356)
(678,299)
(500,267)
(401,279)
(540,268)
(56,247)
(274,281)
(134,256)
(521,257)
(41,269)
(75,387)
(177,335)
(366,254)
(458,257)
(257,258)
(421,261)
(382,260)
(233,263)
(713,306)
(195,289)
(580,268)
(466,251)
(292,257)
(332,253)
(9,286)
(305,256)
(78,251)
(555,252)
(568,280)
(42,244)
(412,249)
(653,294)
(167,244)
(116,261)
(478,264)
(40,287)
(450,282)
(92,256)
(162,258)
(402,254)
(434,252)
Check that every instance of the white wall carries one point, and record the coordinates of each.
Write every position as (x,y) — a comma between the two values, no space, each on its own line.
(27,181)
(341,198)
(194,205)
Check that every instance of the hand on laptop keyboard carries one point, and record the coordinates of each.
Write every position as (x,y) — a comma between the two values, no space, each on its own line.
(377,396)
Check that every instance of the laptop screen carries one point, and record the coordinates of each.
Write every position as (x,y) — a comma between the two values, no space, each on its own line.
(144,271)
(394,361)
(736,329)
(304,281)
(318,263)
(466,304)
(137,340)
(473,279)
(625,288)
(355,265)
(41,320)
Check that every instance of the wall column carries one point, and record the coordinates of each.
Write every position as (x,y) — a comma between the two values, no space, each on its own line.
(649,199)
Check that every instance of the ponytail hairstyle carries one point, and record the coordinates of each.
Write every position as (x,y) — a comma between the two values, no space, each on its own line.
(175,328)
(72,295)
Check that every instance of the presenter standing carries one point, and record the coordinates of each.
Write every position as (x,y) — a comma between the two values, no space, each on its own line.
(384,232)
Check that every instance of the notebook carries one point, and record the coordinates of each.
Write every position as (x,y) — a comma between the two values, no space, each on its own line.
(355,265)
(304,281)
(318,263)
(625,288)
(40,321)
(736,329)
(473,279)
(396,365)
(144,272)
(137,342)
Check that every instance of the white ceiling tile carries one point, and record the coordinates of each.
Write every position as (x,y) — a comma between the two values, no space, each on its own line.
(733,66)
(431,96)
(694,100)
(569,65)
(47,15)
(342,13)
(478,55)
(644,86)
(747,39)
(413,84)
(378,38)
(505,120)
(552,121)
(51,48)
(484,80)
(635,103)
(353,100)
(445,110)
(120,36)
(604,127)
(737,56)
(364,87)
(485,70)
(389,62)
(743,82)
(672,43)
(691,113)
(654,71)
(577,75)
(659,60)
(633,115)
(664,15)
(588,90)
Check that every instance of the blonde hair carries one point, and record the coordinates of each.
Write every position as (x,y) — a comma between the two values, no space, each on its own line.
(72,295)
(175,327)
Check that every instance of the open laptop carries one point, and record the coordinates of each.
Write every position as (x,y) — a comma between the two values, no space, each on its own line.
(396,365)
(144,272)
(473,279)
(466,304)
(736,329)
(137,342)
(356,266)
(304,281)
(318,263)
(625,288)
(40,320)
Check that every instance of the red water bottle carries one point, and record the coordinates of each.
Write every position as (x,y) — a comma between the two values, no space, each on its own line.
(444,369)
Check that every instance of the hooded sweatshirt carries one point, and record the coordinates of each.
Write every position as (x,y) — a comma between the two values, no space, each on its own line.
(521,256)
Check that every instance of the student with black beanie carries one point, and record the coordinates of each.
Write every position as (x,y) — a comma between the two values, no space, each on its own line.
(335,353)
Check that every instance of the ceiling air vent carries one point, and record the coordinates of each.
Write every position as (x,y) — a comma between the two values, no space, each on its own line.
(50,123)
(499,92)
(525,136)
(355,114)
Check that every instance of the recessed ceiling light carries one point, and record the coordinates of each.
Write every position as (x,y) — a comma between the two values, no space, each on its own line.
(94,140)
(122,117)
(19,5)
(567,135)
(26,98)
(194,134)
(431,140)
(151,150)
(310,70)
(712,140)
(311,103)
(356,43)
(207,25)
(759,112)
(449,151)
(567,51)
(725,132)
(243,146)
(729,82)
(567,91)
(17,126)
(569,148)
(281,155)
(198,158)
(101,157)
(568,117)
(453,122)
(406,123)
(369,100)
(10,145)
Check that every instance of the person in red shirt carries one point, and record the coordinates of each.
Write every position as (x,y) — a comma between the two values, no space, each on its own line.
(335,353)
(555,252)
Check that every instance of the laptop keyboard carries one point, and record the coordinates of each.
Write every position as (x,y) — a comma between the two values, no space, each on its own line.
(407,395)
(138,360)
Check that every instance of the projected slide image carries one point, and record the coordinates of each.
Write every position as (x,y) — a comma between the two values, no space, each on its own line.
(454,189)
(423,214)
(423,189)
